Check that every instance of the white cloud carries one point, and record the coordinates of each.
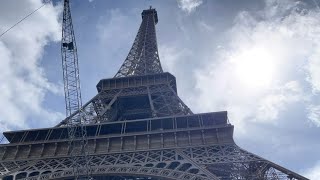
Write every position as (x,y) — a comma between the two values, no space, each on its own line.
(269,106)
(171,56)
(270,58)
(23,82)
(112,33)
(313,71)
(205,27)
(314,114)
(189,5)
(314,172)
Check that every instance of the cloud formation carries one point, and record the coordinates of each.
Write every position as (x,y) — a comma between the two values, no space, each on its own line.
(269,62)
(23,81)
(189,5)
(314,172)
(113,23)
(314,114)
(172,56)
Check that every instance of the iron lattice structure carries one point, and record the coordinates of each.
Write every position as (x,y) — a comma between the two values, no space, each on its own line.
(138,128)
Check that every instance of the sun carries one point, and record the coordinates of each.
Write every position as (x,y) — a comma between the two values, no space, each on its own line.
(254,67)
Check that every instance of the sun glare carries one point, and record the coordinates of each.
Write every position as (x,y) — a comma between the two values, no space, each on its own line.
(254,68)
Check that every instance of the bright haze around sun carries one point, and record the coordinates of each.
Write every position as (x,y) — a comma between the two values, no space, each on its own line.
(257,59)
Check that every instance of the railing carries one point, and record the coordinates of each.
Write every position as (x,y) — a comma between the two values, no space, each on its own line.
(136,81)
(204,120)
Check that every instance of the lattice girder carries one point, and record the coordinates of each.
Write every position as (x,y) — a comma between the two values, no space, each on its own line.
(158,90)
(167,164)
(143,57)
(179,163)
(203,140)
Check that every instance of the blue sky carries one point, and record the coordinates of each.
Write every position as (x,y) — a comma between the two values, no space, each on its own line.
(257,59)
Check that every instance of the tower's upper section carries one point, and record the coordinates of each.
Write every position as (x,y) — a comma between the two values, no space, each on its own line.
(150,12)
(143,58)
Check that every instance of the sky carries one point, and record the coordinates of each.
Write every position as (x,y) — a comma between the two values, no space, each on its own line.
(257,59)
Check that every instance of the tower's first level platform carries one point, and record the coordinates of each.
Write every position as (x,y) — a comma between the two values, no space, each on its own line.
(133,135)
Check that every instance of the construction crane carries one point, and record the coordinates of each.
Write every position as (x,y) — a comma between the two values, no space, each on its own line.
(77,133)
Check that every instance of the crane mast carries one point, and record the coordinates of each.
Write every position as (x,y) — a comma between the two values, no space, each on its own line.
(77,133)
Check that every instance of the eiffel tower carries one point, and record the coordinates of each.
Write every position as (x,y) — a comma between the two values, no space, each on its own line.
(138,128)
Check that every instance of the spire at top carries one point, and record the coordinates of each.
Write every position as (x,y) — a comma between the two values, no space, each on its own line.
(143,57)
